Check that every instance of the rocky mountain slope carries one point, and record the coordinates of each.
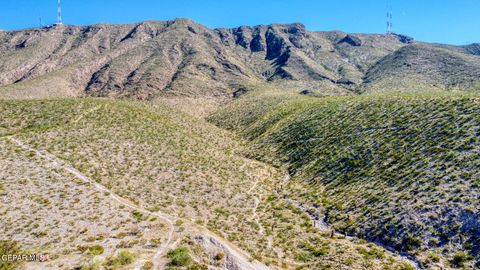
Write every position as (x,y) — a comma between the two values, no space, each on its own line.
(182,58)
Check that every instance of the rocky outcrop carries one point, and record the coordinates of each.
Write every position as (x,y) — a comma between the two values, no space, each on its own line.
(351,40)
(297,34)
(233,260)
(405,39)
(243,36)
(276,45)
(258,43)
(240,92)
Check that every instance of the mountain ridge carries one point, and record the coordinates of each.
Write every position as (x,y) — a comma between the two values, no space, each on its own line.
(182,58)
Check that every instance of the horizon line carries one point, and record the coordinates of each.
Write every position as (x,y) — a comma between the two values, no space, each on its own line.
(216,28)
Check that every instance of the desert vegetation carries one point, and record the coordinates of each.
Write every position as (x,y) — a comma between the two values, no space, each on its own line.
(161,161)
(396,169)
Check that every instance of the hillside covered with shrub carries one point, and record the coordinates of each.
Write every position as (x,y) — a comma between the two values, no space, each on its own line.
(400,170)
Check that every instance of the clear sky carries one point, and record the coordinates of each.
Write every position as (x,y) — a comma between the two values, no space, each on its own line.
(446,21)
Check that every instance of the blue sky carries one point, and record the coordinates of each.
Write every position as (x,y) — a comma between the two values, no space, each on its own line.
(447,21)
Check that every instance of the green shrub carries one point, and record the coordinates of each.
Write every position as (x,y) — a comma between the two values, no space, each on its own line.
(138,216)
(406,266)
(371,253)
(197,266)
(96,250)
(460,258)
(179,256)
(124,257)
(303,256)
(148,265)
(320,251)
(411,242)
(433,257)
(219,256)
(178,222)
(92,265)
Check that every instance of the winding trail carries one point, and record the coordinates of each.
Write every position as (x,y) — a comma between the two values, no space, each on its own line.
(114,197)
(237,258)
(261,230)
(80,117)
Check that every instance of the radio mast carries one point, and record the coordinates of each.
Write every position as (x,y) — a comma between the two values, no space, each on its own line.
(389,19)
(59,14)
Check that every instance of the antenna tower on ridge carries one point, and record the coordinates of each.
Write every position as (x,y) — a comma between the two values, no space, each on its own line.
(59,14)
(389,19)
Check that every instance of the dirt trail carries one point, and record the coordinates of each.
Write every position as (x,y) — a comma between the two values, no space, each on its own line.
(96,108)
(261,228)
(236,258)
(68,168)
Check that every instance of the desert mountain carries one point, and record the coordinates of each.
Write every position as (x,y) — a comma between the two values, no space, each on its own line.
(180,57)
(365,177)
